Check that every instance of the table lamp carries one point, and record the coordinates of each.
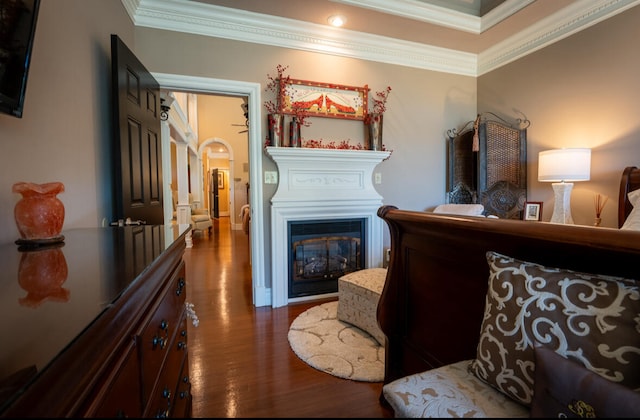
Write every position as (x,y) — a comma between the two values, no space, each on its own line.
(562,166)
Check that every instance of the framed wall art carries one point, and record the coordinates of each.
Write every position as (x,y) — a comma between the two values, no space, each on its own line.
(532,211)
(220,180)
(325,99)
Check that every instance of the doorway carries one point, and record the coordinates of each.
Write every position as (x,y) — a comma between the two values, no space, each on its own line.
(224,182)
(192,84)
(214,193)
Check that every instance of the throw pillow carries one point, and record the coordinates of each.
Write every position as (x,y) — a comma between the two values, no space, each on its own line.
(460,209)
(564,388)
(632,221)
(593,319)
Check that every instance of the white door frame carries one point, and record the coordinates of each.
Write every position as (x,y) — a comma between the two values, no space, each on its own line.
(261,294)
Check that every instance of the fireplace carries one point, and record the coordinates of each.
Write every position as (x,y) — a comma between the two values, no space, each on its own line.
(319,185)
(322,251)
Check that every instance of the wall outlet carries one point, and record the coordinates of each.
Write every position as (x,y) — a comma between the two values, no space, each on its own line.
(270,177)
(377,177)
(387,257)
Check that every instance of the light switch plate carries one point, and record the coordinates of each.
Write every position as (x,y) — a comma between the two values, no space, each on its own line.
(270,177)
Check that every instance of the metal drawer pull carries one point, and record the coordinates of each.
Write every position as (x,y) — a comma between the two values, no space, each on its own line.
(159,341)
(181,284)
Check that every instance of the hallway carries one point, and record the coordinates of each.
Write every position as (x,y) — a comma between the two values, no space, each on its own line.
(241,362)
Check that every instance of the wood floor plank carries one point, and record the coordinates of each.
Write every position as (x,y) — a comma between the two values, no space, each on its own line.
(240,359)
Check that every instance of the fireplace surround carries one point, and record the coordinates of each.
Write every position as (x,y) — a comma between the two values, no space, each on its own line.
(318,185)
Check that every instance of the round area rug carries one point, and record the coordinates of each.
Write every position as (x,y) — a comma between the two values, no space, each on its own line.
(340,349)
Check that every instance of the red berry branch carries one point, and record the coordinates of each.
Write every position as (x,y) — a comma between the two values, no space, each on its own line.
(379,103)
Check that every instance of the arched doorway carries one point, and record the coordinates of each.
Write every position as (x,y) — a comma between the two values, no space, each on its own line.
(218,154)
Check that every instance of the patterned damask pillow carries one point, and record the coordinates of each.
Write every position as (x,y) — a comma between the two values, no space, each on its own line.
(592,319)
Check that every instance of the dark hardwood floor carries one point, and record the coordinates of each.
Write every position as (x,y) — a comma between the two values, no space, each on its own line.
(240,360)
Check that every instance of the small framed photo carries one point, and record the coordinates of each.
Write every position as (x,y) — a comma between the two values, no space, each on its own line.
(221,180)
(532,211)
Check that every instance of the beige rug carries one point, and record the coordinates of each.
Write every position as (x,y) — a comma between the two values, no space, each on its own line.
(335,347)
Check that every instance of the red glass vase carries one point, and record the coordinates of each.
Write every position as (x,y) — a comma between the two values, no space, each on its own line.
(39,214)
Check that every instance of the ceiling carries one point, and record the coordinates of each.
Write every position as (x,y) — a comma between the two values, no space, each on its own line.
(469,37)
(472,7)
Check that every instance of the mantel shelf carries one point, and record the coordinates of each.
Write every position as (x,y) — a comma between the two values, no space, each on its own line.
(319,154)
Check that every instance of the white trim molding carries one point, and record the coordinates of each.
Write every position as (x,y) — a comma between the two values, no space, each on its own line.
(240,25)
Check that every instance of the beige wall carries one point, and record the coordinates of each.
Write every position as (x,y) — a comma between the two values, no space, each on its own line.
(422,106)
(580,92)
(65,131)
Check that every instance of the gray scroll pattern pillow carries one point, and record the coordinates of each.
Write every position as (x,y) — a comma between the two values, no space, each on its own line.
(591,319)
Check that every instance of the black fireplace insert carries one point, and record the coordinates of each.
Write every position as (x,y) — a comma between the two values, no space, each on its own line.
(321,251)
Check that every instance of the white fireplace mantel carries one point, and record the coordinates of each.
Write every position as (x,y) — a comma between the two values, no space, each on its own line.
(322,184)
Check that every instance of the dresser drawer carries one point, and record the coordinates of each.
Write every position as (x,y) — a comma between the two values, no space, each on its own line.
(159,331)
(163,397)
(182,406)
(120,395)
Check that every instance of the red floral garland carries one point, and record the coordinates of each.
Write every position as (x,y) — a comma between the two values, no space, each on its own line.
(341,145)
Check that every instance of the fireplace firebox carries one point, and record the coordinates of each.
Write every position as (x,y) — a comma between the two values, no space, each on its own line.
(321,251)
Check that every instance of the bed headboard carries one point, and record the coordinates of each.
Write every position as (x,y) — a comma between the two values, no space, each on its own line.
(630,181)
(432,304)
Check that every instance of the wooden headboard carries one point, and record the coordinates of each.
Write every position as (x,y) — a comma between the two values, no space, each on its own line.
(630,181)
(432,304)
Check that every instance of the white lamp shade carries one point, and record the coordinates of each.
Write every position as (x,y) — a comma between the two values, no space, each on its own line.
(561,165)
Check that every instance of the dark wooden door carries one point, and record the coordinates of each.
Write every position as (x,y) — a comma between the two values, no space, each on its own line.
(216,193)
(137,148)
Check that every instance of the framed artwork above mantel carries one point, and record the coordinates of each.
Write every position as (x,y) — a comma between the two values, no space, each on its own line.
(317,99)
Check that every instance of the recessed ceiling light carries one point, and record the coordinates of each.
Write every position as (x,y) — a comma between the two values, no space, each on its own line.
(337,20)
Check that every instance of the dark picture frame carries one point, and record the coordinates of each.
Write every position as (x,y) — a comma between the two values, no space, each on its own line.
(220,180)
(532,211)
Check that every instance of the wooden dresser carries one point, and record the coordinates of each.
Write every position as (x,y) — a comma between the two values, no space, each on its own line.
(96,326)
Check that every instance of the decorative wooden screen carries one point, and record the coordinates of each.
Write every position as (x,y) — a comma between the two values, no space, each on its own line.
(462,167)
(494,176)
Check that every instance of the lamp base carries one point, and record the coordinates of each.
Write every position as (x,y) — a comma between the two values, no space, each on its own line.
(562,206)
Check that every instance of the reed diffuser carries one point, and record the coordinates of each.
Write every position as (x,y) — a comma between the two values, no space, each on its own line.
(599,201)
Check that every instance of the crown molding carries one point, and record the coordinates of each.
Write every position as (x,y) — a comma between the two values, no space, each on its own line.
(568,21)
(442,16)
(240,25)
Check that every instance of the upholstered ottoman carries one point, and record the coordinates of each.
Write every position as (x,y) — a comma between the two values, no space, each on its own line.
(358,296)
